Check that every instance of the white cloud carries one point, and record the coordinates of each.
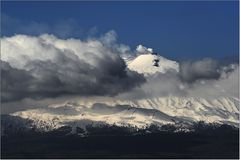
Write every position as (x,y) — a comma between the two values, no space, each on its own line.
(143,50)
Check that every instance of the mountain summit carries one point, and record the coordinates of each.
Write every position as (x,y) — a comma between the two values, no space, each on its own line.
(151,63)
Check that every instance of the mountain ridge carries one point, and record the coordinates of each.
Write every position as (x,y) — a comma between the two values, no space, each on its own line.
(139,113)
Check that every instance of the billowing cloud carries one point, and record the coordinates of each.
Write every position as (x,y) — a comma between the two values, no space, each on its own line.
(202,69)
(46,66)
(42,70)
(143,50)
(225,86)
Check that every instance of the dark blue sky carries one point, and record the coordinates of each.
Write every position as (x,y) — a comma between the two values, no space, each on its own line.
(179,30)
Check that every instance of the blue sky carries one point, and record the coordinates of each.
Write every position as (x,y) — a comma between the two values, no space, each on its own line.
(178,30)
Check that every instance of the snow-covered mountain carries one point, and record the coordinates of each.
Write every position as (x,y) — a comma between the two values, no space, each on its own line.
(151,63)
(139,113)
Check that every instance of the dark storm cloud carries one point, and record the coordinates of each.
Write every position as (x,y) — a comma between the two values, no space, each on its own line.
(66,77)
(14,82)
(62,72)
(203,69)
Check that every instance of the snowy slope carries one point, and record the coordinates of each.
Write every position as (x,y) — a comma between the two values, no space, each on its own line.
(139,113)
(152,63)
